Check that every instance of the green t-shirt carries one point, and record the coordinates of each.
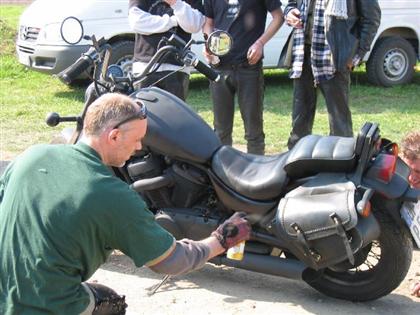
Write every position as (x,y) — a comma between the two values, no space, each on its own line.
(62,212)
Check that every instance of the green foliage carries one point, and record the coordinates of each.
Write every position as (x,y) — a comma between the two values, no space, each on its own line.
(9,18)
(27,96)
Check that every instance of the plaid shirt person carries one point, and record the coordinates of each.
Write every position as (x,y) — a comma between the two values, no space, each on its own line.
(321,57)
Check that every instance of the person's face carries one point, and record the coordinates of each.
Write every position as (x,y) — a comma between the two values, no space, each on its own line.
(126,141)
(414,177)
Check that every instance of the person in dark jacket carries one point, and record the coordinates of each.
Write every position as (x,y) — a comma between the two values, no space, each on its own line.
(329,39)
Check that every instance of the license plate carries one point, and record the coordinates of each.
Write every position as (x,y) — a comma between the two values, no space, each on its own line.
(410,212)
(24,59)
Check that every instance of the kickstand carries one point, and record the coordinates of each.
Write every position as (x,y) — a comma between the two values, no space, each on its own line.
(153,289)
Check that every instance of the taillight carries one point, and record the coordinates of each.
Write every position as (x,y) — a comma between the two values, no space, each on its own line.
(387,163)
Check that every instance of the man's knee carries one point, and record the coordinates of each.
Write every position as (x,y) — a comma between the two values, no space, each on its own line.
(107,301)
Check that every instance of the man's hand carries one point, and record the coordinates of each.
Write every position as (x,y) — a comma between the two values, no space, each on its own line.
(416,290)
(293,18)
(171,2)
(354,62)
(208,55)
(234,230)
(255,52)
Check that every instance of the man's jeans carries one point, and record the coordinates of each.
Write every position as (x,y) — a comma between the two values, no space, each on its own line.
(177,83)
(336,94)
(248,83)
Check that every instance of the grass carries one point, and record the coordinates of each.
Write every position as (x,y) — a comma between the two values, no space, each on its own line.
(27,96)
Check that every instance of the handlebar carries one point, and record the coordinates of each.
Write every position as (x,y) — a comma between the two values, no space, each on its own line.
(53,119)
(83,63)
(206,70)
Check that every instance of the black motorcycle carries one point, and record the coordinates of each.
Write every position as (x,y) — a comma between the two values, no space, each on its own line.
(329,212)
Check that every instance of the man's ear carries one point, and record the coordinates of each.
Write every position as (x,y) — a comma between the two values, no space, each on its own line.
(114,134)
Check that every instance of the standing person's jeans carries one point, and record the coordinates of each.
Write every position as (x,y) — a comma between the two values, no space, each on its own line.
(177,83)
(336,94)
(247,82)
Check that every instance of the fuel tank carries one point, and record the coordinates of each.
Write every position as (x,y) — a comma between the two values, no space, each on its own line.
(174,129)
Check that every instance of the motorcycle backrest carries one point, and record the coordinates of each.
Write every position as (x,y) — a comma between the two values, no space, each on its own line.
(365,148)
(315,154)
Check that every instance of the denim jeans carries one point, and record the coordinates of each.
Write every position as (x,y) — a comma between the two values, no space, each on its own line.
(247,82)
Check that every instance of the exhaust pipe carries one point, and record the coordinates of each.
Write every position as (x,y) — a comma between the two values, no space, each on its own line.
(286,268)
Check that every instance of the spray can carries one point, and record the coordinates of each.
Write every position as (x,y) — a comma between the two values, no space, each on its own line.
(236,252)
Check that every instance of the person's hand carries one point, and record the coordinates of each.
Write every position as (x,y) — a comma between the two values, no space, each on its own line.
(416,290)
(255,52)
(233,231)
(354,62)
(293,18)
(170,2)
(208,55)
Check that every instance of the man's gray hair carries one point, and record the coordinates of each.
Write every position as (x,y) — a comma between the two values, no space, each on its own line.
(107,111)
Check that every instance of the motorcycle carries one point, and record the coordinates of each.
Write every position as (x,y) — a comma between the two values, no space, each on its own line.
(329,212)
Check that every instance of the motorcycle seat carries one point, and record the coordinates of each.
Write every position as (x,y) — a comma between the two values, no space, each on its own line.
(315,154)
(253,176)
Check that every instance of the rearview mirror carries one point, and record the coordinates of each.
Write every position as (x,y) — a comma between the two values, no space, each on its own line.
(71,30)
(219,43)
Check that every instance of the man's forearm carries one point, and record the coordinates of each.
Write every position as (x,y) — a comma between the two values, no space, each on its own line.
(189,19)
(188,255)
(208,26)
(292,4)
(369,19)
(145,23)
(273,27)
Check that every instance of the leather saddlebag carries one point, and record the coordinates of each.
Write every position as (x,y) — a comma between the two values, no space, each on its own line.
(317,219)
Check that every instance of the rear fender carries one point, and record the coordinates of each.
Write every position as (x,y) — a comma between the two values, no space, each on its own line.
(390,206)
(390,196)
(396,188)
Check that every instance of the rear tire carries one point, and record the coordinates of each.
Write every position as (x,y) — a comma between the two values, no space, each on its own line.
(383,270)
(391,62)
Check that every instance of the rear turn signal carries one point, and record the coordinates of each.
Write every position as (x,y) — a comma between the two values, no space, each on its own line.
(365,212)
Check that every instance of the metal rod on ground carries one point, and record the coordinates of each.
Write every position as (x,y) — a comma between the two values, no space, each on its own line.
(153,289)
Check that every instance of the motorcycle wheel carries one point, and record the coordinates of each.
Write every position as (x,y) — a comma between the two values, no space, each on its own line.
(384,268)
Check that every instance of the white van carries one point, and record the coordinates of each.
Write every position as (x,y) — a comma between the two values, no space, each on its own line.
(40,47)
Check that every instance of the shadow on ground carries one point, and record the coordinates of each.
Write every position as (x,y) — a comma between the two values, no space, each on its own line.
(237,286)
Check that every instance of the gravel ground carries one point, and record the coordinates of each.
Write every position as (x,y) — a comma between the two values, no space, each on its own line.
(224,290)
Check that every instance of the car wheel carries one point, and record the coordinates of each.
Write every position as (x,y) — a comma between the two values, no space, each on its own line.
(122,55)
(391,62)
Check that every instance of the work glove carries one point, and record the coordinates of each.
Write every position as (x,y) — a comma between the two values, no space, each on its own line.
(233,231)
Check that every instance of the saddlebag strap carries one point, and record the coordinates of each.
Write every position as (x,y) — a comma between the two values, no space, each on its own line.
(342,233)
(301,238)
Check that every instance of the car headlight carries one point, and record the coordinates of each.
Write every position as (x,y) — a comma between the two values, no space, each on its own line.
(50,33)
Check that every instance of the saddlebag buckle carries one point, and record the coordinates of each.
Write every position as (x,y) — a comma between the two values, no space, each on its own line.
(308,252)
(342,233)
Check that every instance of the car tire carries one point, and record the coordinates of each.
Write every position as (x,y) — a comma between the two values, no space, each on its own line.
(391,62)
(122,55)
